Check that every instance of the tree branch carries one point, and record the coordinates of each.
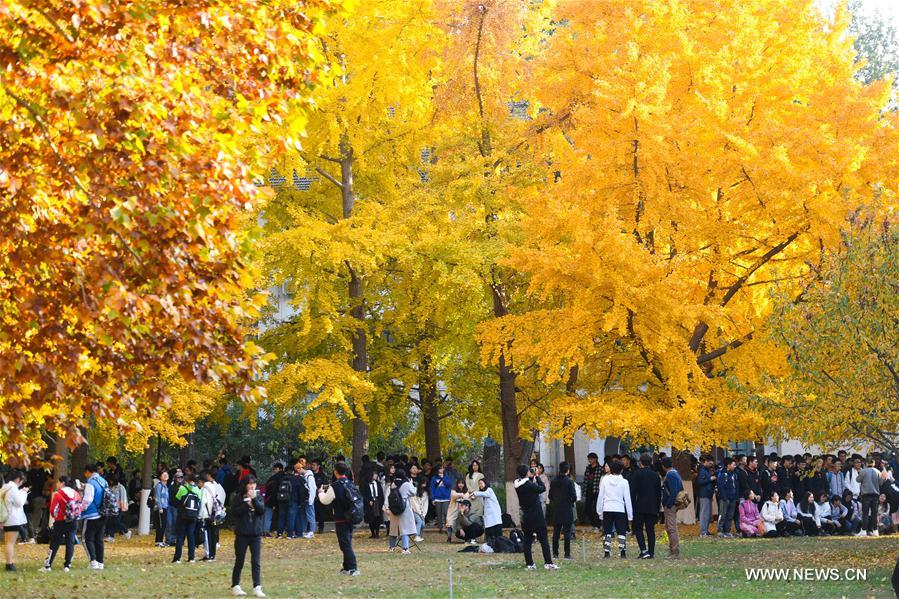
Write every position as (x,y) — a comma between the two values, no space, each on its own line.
(330,178)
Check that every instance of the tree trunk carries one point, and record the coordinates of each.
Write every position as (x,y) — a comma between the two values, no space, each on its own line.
(146,482)
(427,394)
(79,457)
(61,451)
(570,390)
(357,310)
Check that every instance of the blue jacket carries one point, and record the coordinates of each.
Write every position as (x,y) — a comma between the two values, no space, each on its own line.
(161,495)
(671,486)
(728,487)
(704,485)
(92,510)
(440,487)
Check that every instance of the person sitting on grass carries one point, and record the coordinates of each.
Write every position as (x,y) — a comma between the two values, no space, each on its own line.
(808,515)
(791,524)
(452,513)
(823,515)
(750,519)
(772,516)
(851,522)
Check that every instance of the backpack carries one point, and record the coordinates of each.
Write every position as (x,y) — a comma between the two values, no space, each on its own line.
(502,545)
(395,502)
(304,491)
(109,505)
(355,507)
(516,537)
(218,510)
(284,491)
(190,507)
(4,511)
(682,501)
(73,508)
(151,499)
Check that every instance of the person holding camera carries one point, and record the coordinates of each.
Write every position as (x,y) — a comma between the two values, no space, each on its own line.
(529,488)
(249,517)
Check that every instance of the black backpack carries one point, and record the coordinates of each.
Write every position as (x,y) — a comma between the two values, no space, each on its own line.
(109,505)
(395,502)
(284,491)
(304,491)
(502,545)
(355,507)
(190,507)
(517,539)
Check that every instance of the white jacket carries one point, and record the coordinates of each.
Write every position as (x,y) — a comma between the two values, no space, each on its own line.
(614,495)
(493,514)
(771,515)
(851,482)
(15,499)
(207,496)
(311,486)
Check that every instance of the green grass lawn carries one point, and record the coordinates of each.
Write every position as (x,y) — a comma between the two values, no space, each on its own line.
(309,568)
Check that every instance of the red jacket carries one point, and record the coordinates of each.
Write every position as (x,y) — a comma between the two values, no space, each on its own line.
(58,503)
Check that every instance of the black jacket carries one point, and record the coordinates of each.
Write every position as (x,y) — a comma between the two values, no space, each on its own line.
(754,481)
(528,491)
(374,503)
(248,516)
(562,494)
(646,491)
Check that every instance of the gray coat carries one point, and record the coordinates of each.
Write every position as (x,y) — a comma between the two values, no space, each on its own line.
(404,524)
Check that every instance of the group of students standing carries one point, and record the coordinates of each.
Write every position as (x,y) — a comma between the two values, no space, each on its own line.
(798,495)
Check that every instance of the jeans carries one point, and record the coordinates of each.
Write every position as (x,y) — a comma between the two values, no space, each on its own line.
(267,521)
(725,515)
(544,544)
(590,509)
(647,523)
(404,540)
(94,538)
(310,517)
(63,533)
(345,542)
(293,520)
(565,529)
(185,529)
(671,529)
(617,522)
(283,518)
(869,512)
(161,520)
(419,523)
(440,509)
(241,544)
(705,514)
(171,516)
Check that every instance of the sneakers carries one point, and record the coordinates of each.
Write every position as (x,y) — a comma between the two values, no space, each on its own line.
(238,592)
(623,554)
(406,552)
(309,535)
(94,565)
(10,567)
(644,555)
(191,561)
(606,554)
(66,569)
(473,542)
(127,535)
(100,565)
(532,567)
(350,572)
(176,561)
(45,569)
(874,533)
(567,557)
(861,533)
(419,539)
(550,567)
(257,592)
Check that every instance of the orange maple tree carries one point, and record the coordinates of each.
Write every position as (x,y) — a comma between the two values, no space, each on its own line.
(128,136)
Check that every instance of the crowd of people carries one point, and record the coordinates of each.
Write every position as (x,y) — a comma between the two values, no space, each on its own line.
(399,495)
